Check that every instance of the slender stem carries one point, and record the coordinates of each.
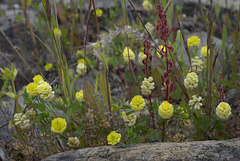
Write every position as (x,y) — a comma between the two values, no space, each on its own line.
(163,131)
(152,113)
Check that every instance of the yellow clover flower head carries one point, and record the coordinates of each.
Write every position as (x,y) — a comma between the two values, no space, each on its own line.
(32,89)
(162,48)
(81,68)
(113,138)
(223,111)
(204,51)
(165,110)
(197,65)
(48,66)
(196,101)
(79,96)
(149,27)
(128,54)
(38,79)
(193,41)
(141,57)
(99,12)
(130,119)
(147,5)
(58,125)
(45,91)
(73,142)
(57,31)
(137,103)
(147,86)
(191,81)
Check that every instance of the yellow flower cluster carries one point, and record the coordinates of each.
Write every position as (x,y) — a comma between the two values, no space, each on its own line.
(39,87)
(48,66)
(147,86)
(223,111)
(197,65)
(147,5)
(57,32)
(204,51)
(128,54)
(162,48)
(58,125)
(130,119)
(193,41)
(79,96)
(149,27)
(22,121)
(191,81)
(137,103)
(165,110)
(196,101)
(99,12)
(81,67)
(141,57)
(178,138)
(73,142)
(113,138)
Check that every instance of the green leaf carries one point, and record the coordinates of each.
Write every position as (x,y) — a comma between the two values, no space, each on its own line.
(27,99)
(89,95)
(123,145)
(68,115)
(39,106)
(129,111)
(155,135)
(177,93)
(106,93)
(217,10)
(224,38)
(9,94)
(43,115)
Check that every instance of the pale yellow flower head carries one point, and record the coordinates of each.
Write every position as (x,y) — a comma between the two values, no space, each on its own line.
(113,138)
(57,31)
(191,81)
(73,142)
(45,91)
(58,125)
(38,79)
(165,110)
(81,68)
(162,48)
(48,66)
(32,89)
(149,27)
(197,65)
(128,54)
(147,86)
(99,12)
(130,119)
(79,96)
(196,101)
(204,51)
(141,57)
(193,41)
(147,5)
(137,103)
(223,111)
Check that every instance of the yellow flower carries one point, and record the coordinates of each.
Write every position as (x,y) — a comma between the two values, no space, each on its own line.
(38,79)
(48,66)
(147,5)
(32,89)
(141,57)
(95,47)
(130,119)
(73,142)
(191,81)
(137,103)
(223,111)
(81,61)
(58,125)
(204,51)
(57,32)
(165,110)
(128,54)
(197,65)
(193,41)
(113,138)
(45,91)
(162,48)
(79,96)
(99,12)
(147,86)
(81,68)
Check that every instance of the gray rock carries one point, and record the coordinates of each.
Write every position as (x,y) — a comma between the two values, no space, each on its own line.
(200,150)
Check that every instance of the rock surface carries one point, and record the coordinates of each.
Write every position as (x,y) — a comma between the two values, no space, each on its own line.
(201,150)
